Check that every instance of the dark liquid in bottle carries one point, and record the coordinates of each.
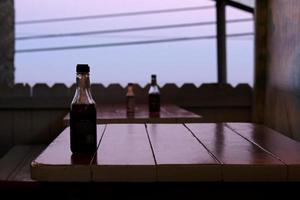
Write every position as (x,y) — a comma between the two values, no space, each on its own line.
(83,128)
(154,104)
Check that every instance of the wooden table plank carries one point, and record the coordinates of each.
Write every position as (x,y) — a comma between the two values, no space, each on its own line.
(284,148)
(172,152)
(179,156)
(12,160)
(22,172)
(57,163)
(124,154)
(110,114)
(242,160)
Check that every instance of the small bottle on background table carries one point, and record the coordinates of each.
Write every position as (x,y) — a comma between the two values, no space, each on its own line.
(130,100)
(154,98)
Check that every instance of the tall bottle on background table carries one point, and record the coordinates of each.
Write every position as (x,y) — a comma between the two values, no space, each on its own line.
(83,127)
(130,100)
(154,97)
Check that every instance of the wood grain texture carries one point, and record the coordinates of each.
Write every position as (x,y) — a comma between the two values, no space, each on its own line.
(242,160)
(279,145)
(179,156)
(6,131)
(57,163)
(22,172)
(124,154)
(12,160)
(168,152)
(261,60)
(282,100)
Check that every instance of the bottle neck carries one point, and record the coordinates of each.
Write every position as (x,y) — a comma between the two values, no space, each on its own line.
(153,87)
(153,81)
(83,81)
(83,93)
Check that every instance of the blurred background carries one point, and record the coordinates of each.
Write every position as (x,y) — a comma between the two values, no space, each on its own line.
(127,41)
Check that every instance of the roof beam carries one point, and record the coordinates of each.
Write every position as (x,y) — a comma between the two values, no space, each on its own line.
(239,6)
(221,41)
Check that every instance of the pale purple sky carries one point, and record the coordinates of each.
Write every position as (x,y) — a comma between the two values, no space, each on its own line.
(193,62)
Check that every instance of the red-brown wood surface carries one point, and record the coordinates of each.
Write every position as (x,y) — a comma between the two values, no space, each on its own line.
(57,163)
(284,148)
(174,152)
(179,115)
(124,154)
(242,160)
(107,114)
(179,156)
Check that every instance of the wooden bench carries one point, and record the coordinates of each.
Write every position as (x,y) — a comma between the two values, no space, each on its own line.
(220,152)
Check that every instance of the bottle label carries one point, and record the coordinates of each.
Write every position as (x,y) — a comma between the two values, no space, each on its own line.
(154,103)
(83,128)
(85,132)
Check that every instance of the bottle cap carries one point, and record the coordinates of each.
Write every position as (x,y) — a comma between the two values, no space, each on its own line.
(82,68)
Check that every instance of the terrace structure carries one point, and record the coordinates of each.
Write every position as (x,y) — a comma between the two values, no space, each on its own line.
(32,117)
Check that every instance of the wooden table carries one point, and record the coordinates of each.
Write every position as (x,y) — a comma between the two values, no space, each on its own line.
(109,114)
(174,152)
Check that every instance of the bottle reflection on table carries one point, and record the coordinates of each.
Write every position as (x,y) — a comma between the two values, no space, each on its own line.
(83,159)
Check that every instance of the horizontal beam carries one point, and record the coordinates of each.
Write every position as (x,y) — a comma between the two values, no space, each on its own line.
(239,6)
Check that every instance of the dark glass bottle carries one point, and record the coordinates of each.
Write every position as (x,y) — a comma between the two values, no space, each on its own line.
(154,97)
(130,100)
(83,127)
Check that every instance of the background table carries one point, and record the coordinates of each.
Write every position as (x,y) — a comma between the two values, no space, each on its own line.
(117,114)
(174,152)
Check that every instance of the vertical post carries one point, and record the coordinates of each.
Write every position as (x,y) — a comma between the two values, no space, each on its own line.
(261,59)
(7,42)
(221,41)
